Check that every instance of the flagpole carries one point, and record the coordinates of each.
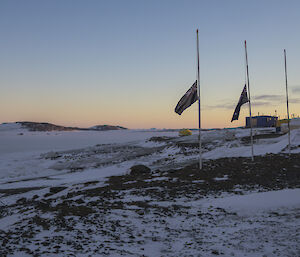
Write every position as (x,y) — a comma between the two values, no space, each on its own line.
(287,102)
(199,106)
(251,134)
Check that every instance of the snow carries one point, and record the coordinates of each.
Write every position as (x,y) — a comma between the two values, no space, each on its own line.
(225,177)
(11,127)
(259,202)
(295,122)
(9,220)
(231,224)
(12,142)
(262,147)
(30,155)
(20,155)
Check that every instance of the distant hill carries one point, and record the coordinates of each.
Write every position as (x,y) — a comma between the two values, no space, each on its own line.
(45,126)
(106,127)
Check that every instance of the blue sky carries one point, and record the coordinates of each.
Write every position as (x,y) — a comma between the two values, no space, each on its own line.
(129,62)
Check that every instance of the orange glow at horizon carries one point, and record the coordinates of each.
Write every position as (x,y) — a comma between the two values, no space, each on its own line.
(130,117)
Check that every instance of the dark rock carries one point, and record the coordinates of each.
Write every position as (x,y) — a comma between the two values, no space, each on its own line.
(107,127)
(139,170)
(215,252)
(21,200)
(55,190)
(161,139)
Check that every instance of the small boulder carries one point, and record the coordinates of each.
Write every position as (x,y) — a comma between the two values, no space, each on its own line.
(139,170)
(51,155)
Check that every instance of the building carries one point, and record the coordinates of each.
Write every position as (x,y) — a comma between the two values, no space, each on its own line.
(261,121)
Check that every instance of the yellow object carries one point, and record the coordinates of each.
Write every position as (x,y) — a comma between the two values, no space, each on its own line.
(185,132)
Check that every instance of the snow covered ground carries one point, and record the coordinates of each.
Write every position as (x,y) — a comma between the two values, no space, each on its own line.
(72,193)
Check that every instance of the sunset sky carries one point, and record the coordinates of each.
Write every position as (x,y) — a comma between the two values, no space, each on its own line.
(82,63)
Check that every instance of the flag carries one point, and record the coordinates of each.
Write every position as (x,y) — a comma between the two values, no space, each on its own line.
(243,99)
(188,99)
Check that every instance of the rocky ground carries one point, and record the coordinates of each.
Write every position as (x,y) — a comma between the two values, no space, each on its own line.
(157,213)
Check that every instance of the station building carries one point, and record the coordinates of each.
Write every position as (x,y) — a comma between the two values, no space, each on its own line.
(262,121)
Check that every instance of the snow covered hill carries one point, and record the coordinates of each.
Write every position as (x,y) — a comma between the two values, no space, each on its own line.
(10,127)
(45,126)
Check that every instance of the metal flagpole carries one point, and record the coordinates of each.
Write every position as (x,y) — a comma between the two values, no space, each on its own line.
(199,106)
(287,102)
(251,134)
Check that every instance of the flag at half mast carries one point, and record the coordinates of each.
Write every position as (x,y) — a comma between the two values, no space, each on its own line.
(243,99)
(188,99)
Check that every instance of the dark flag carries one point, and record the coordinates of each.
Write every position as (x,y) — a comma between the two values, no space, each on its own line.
(243,99)
(188,99)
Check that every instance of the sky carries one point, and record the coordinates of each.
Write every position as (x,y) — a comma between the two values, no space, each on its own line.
(85,63)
